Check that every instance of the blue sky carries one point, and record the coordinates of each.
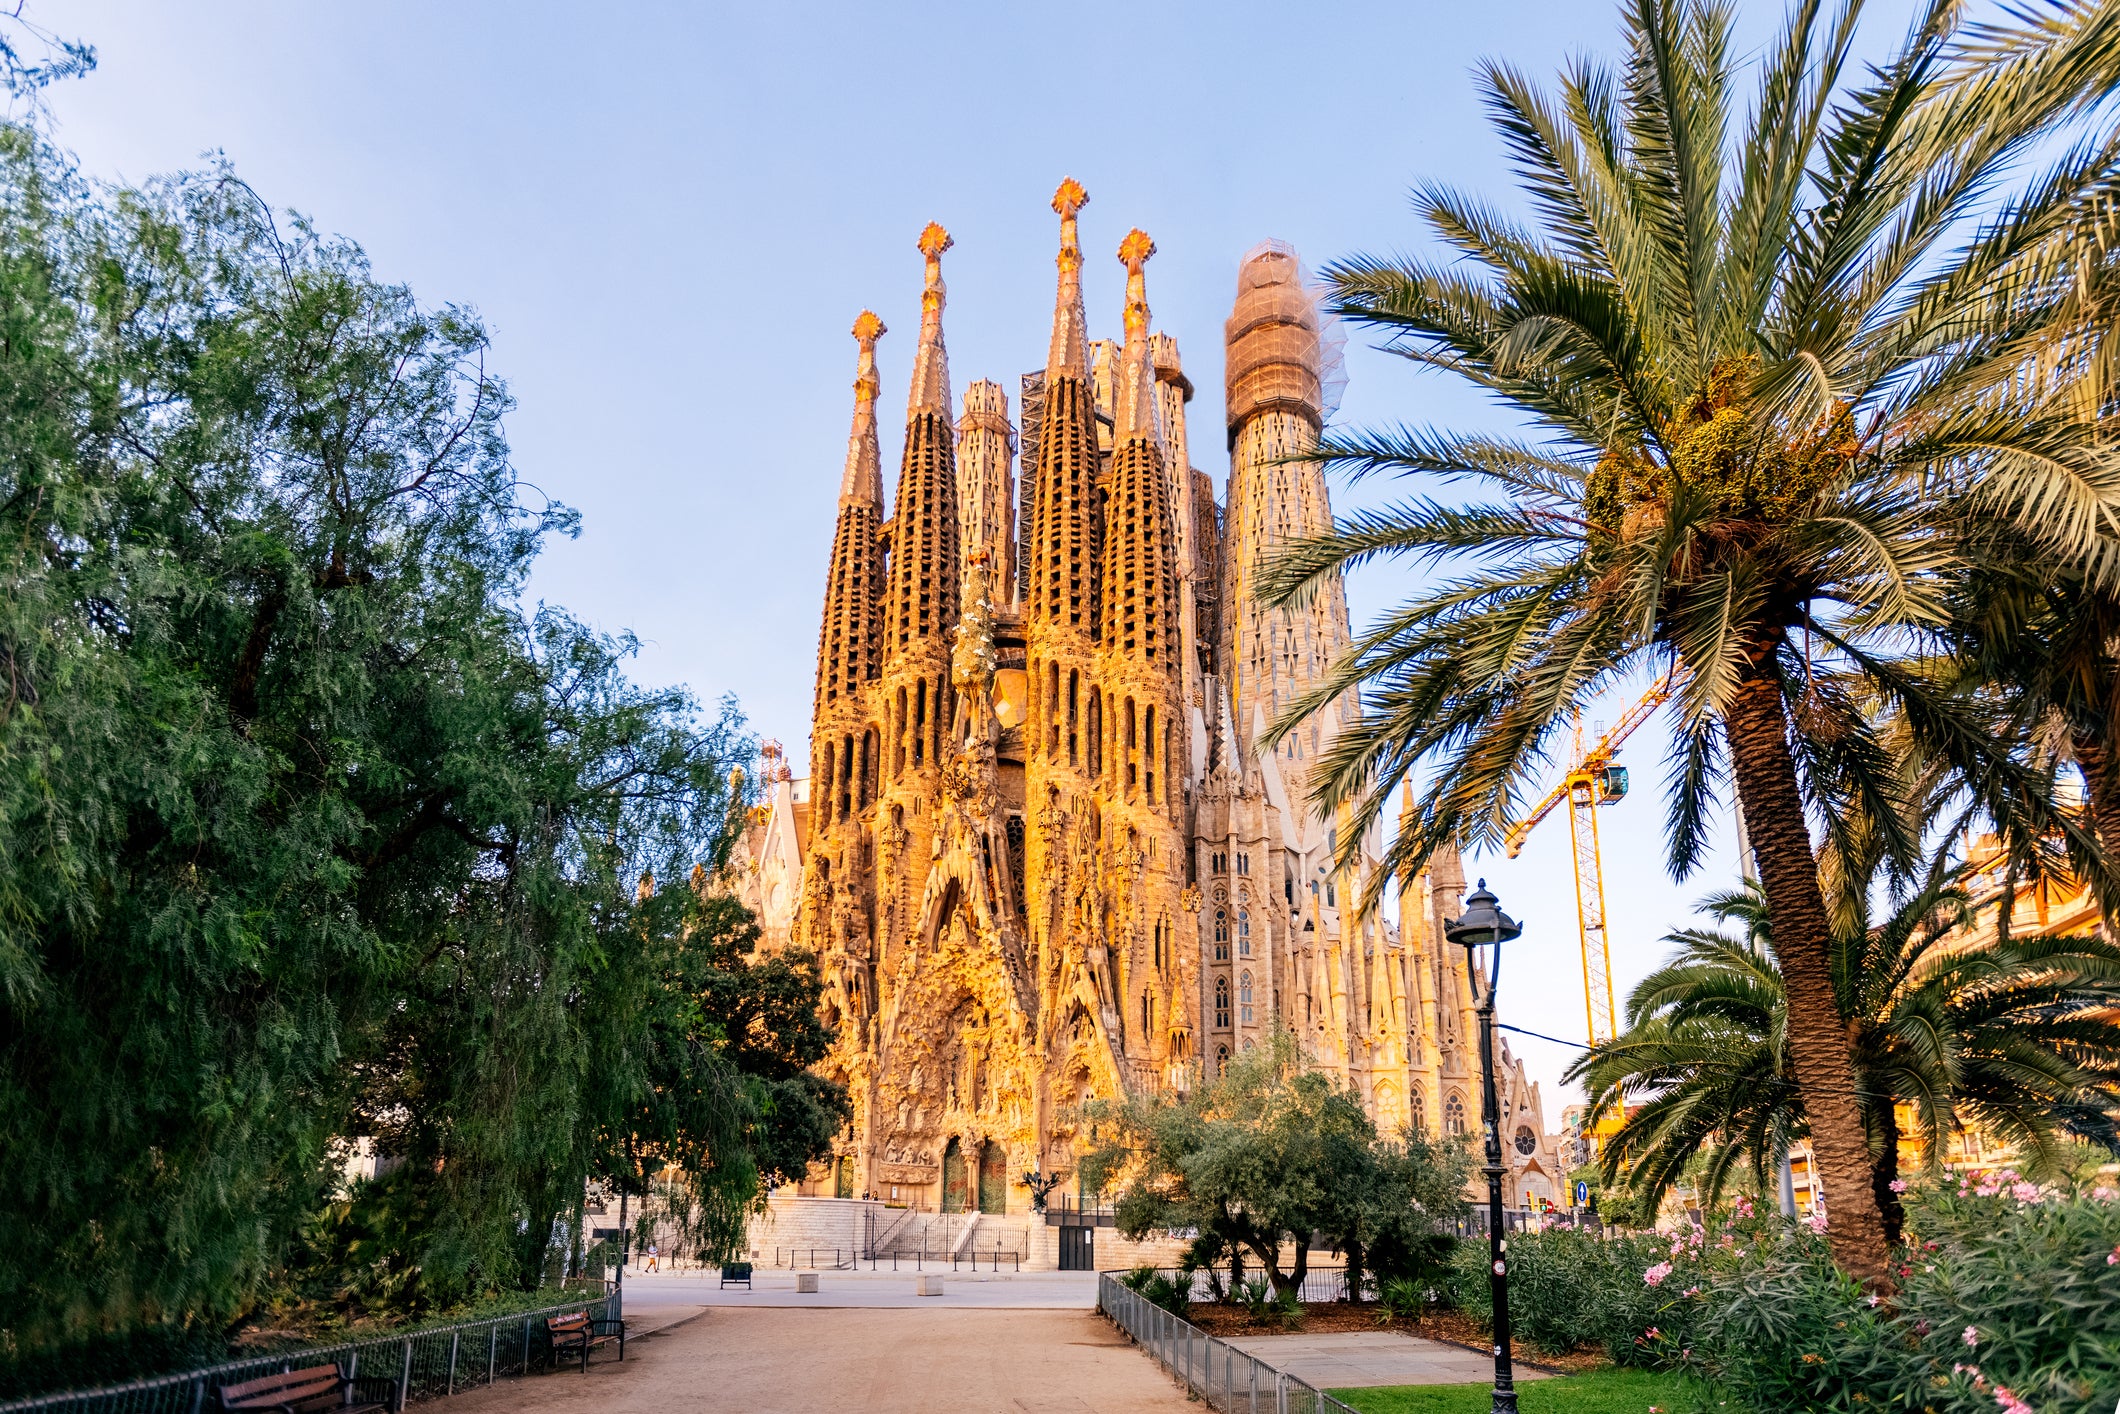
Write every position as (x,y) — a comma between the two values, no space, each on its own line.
(670,214)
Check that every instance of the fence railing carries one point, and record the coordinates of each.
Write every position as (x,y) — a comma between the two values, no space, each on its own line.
(826,1259)
(1220,1375)
(1320,1284)
(424,1364)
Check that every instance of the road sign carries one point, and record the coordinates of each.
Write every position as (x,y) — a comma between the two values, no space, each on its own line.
(1582,1193)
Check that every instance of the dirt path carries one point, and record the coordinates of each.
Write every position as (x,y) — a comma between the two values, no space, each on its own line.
(850,1361)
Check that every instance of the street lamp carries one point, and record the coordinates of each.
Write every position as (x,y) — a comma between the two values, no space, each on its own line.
(1483,924)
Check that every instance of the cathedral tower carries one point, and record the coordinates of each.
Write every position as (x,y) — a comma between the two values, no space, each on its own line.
(1138,755)
(844,744)
(1276,409)
(986,486)
(1059,593)
(921,600)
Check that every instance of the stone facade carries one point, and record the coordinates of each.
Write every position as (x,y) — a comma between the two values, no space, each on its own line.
(1042,858)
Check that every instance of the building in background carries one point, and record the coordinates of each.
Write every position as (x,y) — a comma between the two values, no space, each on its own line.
(1043,855)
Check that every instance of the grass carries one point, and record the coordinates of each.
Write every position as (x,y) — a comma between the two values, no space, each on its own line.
(1598,1392)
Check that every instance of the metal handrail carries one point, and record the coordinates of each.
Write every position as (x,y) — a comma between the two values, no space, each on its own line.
(424,1363)
(1222,1376)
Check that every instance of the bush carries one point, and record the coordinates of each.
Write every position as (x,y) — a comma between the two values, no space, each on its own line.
(1159,1290)
(2009,1299)
(1568,1289)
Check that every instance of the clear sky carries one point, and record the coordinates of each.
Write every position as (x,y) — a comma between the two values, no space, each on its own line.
(669,214)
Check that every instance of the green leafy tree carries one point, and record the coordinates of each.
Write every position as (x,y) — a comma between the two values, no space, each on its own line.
(1273,1152)
(1773,351)
(309,832)
(2016,1038)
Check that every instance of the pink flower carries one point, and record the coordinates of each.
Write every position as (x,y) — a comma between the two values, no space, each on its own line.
(1817,1220)
(2010,1403)
(2112,1258)
(2025,1192)
(1692,1291)
(1656,1274)
(2104,1194)
(1971,1337)
(1898,1185)
(1873,1299)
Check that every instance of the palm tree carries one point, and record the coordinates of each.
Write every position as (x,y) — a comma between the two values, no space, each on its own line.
(2018,1039)
(1759,359)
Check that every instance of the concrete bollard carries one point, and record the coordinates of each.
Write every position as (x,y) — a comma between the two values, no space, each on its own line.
(928,1284)
(805,1281)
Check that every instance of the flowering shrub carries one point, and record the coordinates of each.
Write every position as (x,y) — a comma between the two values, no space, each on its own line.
(1567,1289)
(2007,1302)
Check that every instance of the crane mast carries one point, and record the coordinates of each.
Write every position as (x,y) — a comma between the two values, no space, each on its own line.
(1594,780)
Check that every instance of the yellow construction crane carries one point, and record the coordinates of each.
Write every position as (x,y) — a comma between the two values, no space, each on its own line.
(1593,779)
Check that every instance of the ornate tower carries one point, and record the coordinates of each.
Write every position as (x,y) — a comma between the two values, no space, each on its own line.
(1137,757)
(844,745)
(1059,592)
(921,603)
(986,484)
(1276,409)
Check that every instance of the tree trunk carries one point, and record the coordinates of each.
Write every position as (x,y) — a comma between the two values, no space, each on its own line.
(1882,1175)
(2102,782)
(1818,1034)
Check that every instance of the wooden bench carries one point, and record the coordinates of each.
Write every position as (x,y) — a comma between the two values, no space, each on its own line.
(584,1333)
(312,1391)
(732,1272)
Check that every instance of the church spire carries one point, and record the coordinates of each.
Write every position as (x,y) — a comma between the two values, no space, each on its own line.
(1069,351)
(931,363)
(922,593)
(1135,411)
(863,480)
(1060,568)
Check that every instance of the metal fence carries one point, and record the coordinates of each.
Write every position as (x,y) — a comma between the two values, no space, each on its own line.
(1319,1283)
(425,1364)
(1216,1372)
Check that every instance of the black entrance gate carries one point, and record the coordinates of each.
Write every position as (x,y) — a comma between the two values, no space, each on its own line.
(1078,1249)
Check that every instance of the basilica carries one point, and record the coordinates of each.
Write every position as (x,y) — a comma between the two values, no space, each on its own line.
(1042,854)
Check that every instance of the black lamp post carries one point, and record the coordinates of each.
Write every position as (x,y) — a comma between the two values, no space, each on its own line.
(1482,924)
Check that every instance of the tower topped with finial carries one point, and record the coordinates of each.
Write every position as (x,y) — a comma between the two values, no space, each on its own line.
(1135,414)
(1068,354)
(863,479)
(931,368)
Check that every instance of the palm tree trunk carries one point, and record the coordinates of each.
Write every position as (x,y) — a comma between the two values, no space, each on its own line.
(1883,1173)
(1818,1034)
(2103,783)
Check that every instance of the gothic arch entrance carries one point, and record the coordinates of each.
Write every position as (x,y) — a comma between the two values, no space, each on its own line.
(993,1179)
(956,1191)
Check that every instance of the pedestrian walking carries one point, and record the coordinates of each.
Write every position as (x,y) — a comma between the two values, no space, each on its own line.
(652,1258)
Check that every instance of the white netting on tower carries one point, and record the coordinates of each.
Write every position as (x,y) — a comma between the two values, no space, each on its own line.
(1283,344)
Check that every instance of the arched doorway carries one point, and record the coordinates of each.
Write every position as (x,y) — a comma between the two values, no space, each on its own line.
(843,1187)
(956,1192)
(993,1179)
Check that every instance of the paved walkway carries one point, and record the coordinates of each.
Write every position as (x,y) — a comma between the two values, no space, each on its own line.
(778,1360)
(1363,1358)
(1047,1291)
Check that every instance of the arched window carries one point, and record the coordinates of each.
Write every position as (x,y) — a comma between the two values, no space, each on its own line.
(1454,1116)
(1332,897)
(1221,1060)
(1222,1003)
(1244,864)
(1148,1014)
(1417,1106)
(1243,932)
(1221,935)
(1244,998)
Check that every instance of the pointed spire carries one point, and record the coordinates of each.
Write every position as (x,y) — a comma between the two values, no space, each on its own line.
(1135,413)
(864,474)
(931,364)
(1069,352)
